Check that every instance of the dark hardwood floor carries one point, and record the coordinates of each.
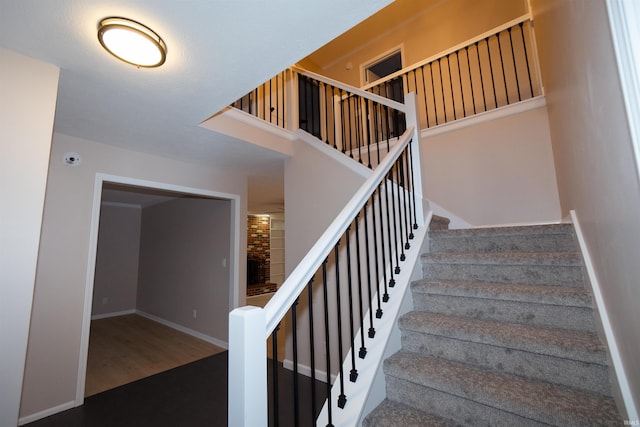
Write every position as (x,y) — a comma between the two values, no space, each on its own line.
(191,395)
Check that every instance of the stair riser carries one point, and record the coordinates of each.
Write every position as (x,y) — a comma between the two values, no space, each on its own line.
(542,243)
(516,274)
(461,410)
(589,377)
(574,318)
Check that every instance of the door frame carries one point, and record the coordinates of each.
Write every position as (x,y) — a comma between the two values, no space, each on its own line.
(233,263)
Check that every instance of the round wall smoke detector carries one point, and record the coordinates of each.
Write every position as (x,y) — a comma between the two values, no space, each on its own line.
(72,159)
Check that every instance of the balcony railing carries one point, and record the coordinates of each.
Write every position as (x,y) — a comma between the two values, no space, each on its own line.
(490,71)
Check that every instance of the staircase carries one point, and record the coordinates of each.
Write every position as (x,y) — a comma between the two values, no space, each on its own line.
(502,333)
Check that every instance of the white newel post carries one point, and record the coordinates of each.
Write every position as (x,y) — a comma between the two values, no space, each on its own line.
(247,368)
(413,119)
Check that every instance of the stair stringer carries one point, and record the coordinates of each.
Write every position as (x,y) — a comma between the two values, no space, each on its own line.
(370,388)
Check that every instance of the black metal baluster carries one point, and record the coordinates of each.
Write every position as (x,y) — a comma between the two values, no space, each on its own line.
(372,330)
(327,344)
(348,140)
(342,122)
(444,103)
(453,96)
(526,58)
(493,80)
(375,254)
(397,191)
(353,374)
(515,64)
(264,101)
(342,399)
(473,96)
(413,190)
(464,107)
(312,355)
(385,297)
(433,92)
(368,140)
(405,190)
(408,191)
(484,96)
(334,115)
(395,223)
(270,95)
(274,365)
(363,350)
(504,75)
(392,281)
(294,336)
(386,122)
(374,109)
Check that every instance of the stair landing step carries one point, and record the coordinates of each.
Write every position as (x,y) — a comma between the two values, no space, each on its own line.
(563,343)
(392,414)
(538,294)
(536,400)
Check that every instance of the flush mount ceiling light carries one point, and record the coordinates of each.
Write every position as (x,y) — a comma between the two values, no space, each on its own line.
(132,42)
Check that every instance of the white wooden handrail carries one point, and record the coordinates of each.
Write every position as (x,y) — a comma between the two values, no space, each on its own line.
(280,302)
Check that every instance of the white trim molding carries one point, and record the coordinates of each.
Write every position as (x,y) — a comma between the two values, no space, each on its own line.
(614,353)
(47,412)
(234,250)
(185,330)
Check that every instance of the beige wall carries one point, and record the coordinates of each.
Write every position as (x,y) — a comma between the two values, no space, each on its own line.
(496,172)
(28,91)
(596,170)
(116,277)
(443,26)
(55,351)
(184,253)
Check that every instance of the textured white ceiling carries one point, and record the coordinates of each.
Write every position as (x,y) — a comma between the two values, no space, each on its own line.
(217,51)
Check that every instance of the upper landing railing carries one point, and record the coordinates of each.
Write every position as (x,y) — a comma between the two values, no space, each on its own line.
(495,69)
(492,70)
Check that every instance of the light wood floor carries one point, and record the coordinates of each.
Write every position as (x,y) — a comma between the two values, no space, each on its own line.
(127,348)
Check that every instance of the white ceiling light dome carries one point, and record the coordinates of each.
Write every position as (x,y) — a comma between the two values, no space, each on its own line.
(132,42)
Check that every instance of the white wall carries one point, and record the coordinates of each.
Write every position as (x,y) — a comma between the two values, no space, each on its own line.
(27,106)
(593,150)
(499,171)
(55,349)
(184,255)
(116,277)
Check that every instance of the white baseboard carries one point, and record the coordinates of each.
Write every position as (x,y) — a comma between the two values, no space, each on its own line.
(306,370)
(614,353)
(113,314)
(207,338)
(47,412)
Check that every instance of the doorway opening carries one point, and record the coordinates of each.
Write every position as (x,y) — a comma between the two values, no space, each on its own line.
(164,279)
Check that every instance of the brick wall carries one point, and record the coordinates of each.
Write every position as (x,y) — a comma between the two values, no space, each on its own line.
(258,247)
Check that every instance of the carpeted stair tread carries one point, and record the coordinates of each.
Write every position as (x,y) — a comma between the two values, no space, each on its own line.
(511,258)
(527,230)
(556,237)
(561,343)
(392,414)
(539,294)
(536,400)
